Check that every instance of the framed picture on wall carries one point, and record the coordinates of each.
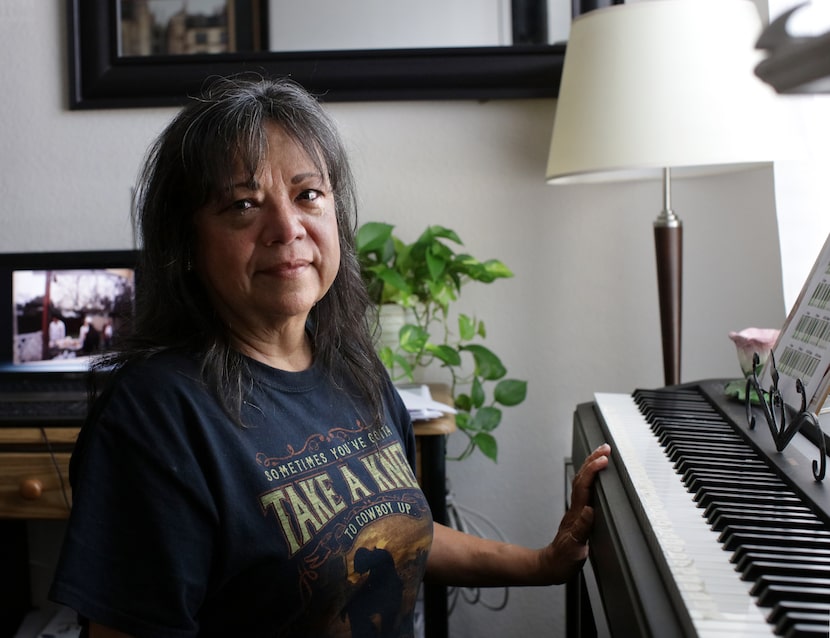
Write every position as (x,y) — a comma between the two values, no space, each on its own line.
(578,7)
(133,53)
(190,27)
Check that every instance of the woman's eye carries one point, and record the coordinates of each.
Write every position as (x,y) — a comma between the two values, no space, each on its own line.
(310,195)
(241,205)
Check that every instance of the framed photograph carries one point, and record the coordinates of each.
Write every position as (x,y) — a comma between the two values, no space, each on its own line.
(115,60)
(189,27)
(578,7)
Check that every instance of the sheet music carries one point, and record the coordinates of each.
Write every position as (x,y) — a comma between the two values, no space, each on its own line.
(803,347)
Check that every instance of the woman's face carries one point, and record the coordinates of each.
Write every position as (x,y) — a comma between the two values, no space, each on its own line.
(268,251)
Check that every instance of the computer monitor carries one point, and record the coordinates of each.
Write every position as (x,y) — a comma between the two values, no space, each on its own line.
(59,309)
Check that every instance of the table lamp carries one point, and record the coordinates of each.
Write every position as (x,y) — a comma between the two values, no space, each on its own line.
(662,88)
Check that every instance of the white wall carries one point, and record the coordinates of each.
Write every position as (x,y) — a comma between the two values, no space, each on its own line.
(799,182)
(580,315)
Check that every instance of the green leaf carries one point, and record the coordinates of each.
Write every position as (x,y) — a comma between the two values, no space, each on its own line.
(486,419)
(466,327)
(393,361)
(482,331)
(412,338)
(463,403)
(435,232)
(406,367)
(477,392)
(441,295)
(495,269)
(372,236)
(436,264)
(488,365)
(510,392)
(488,445)
(387,357)
(445,353)
(391,278)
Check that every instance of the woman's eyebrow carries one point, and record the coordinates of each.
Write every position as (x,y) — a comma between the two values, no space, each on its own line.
(301,177)
(249,184)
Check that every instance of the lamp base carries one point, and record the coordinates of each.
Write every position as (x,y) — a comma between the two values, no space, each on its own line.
(668,245)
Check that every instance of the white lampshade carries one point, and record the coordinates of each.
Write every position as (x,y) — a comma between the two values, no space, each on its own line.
(662,84)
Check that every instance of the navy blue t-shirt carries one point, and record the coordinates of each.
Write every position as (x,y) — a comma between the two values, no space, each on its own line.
(305,522)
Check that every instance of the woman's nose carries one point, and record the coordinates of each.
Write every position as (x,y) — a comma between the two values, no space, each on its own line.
(282,223)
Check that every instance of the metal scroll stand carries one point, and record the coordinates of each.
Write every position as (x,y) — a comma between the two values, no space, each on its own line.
(776,414)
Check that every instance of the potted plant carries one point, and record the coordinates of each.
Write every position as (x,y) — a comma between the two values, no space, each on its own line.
(424,278)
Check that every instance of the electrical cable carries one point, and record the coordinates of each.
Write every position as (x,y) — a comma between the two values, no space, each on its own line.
(469,521)
(57,467)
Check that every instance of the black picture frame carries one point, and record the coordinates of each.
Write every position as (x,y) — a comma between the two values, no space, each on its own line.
(100,78)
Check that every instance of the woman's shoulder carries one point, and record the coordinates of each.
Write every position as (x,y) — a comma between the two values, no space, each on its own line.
(159,376)
(167,366)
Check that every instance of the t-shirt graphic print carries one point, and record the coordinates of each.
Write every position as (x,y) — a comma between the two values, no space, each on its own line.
(349,510)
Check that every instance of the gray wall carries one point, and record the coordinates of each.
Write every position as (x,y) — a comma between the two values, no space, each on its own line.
(580,315)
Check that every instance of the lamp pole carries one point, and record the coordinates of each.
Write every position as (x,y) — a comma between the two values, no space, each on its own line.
(668,245)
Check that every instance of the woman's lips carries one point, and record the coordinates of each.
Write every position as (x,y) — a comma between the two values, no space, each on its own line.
(286,268)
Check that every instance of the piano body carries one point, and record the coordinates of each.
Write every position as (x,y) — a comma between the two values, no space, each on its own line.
(701,527)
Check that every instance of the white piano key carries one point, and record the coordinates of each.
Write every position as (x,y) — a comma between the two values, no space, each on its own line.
(717,600)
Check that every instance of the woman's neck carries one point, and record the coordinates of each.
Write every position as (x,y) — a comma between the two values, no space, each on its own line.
(286,349)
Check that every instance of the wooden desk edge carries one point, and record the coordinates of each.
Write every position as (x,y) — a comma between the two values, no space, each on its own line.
(442,425)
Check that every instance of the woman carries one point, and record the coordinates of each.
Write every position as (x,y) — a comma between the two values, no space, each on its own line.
(247,470)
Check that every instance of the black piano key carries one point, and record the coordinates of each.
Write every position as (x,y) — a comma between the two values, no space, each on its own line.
(696,432)
(760,497)
(804,568)
(676,451)
(667,437)
(726,516)
(720,435)
(682,466)
(771,585)
(774,556)
(696,484)
(769,509)
(739,476)
(749,549)
(806,630)
(792,531)
(797,620)
(737,538)
(775,593)
(785,608)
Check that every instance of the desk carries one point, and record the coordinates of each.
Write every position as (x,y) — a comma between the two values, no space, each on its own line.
(30,489)
(30,485)
(430,437)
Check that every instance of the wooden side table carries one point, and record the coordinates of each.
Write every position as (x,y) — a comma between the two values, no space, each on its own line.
(430,437)
(34,464)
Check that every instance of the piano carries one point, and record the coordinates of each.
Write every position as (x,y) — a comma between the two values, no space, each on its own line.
(702,528)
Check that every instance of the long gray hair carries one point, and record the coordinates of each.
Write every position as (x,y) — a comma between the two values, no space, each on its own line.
(192,161)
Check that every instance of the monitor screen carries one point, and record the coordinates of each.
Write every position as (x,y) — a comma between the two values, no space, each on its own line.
(59,309)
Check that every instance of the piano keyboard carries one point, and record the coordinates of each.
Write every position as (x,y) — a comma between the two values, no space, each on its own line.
(717,600)
(743,555)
